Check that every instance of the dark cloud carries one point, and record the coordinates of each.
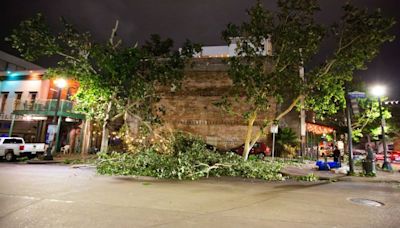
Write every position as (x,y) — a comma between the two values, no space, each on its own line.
(200,21)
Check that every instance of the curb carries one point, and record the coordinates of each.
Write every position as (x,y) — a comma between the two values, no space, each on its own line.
(296,172)
(368,180)
(78,166)
(43,162)
(138,178)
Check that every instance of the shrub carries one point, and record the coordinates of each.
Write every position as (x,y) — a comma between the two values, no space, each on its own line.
(286,142)
(288,151)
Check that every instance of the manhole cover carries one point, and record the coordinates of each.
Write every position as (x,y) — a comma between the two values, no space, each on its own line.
(367,202)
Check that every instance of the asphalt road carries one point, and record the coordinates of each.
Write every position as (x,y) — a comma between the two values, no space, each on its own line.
(60,196)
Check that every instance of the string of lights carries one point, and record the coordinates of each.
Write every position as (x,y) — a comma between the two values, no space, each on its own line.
(394,102)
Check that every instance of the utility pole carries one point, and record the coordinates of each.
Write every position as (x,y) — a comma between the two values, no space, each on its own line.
(302,110)
(60,84)
(386,164)
(350,131)
(349,137)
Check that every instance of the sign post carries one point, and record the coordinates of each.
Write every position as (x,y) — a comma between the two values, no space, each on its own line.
(349,97)
(274,130)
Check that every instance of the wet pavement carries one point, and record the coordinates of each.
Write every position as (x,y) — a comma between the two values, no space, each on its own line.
(61,196)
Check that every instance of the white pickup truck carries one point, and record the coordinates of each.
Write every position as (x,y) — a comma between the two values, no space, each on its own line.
(13,147)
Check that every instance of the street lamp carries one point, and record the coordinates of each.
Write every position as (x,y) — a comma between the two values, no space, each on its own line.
(379,91)
(60,83)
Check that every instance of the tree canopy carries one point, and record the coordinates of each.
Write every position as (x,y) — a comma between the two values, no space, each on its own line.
(296,38)
(116,80)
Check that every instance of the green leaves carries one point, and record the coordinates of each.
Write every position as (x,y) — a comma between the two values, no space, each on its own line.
(190,160)
(108,73)
(296,38)
(33,39)
(158,47)
(369,120)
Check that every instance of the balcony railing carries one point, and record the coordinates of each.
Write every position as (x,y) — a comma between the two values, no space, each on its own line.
(45,105)
(9,117)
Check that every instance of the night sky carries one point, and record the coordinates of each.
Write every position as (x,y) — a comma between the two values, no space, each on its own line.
(198,20)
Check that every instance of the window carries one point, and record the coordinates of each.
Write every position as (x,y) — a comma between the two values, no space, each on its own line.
(12,141)
(8,141)
(32,97)
(54,94)
(17,104)
(3,65)
(69,94)
(19,68)
(4,96)
(11,67)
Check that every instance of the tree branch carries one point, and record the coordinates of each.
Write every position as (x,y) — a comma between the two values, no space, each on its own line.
(289,108)
(258,135)
(67,56)
(142,121)
(209,168)
(113,34)
(348,44)
(328,67)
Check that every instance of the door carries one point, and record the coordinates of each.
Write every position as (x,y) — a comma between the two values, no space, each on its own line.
(1,147)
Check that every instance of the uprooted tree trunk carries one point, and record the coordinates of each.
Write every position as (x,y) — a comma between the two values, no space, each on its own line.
(87,135)
(249,139)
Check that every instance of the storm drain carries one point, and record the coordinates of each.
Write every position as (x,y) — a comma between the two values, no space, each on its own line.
(367,202)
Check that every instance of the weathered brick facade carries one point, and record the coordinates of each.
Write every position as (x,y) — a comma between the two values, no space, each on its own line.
(192,107)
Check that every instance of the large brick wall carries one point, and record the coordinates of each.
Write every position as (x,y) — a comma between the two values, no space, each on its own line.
(192,107)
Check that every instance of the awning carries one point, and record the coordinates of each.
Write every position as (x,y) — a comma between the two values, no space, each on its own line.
(318,129)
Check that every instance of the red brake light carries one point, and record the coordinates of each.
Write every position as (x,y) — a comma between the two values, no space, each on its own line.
(21,147)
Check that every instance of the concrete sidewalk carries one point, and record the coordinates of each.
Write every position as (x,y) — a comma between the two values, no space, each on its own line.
(304,171)
(34,161)
(66,159)
(381,176)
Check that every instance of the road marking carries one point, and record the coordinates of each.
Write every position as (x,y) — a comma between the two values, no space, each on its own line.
(60,201)
(36,198)
(21,197)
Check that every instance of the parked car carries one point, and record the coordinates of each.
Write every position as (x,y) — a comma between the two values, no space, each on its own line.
(212,148)
(380,156)
(359,152)
(13,147)
(393,156)
(259,149)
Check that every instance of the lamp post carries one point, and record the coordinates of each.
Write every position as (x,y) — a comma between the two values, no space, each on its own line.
(60,84)
(379,91)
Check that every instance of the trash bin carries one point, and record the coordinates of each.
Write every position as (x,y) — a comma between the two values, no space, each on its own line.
(368,167)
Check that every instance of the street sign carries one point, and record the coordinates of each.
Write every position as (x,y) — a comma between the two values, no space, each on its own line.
(356,94)
(354,106)
(51,133)
(274,129)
